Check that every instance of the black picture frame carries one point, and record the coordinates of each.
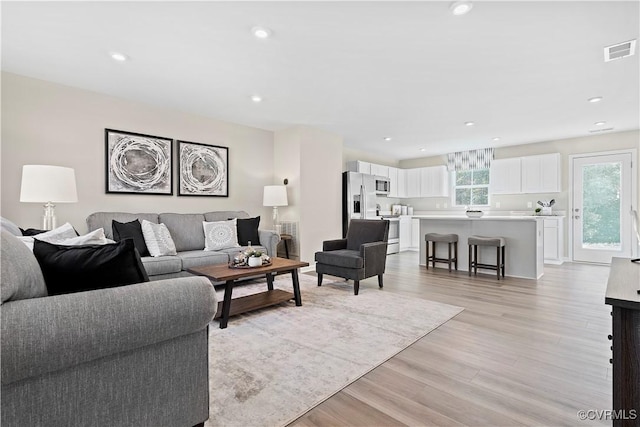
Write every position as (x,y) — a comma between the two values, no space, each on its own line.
(203,170)
(136,163)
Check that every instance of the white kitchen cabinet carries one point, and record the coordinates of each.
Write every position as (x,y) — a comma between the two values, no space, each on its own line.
(505,176)
(434,181)
(393,182)
(402,183)
(415,234)
(379,170)
(413,182)
(359,166)
(554,240)
(541,174)
(405,233)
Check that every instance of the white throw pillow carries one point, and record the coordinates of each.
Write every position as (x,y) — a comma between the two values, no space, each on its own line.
(220,235)
(95,237)
(158,239)
(57,235)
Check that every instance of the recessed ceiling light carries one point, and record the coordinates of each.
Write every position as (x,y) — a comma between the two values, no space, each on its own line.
(496,139)
(261,32)
(460,7)
(469,123)
(387,138)
(595,99)
(423,149)
(117,56)
(256,98)
(600,123)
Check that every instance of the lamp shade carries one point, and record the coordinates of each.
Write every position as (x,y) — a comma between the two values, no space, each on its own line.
(275,195)
(43,183)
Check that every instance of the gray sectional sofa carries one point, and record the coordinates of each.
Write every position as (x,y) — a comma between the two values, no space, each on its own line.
(134,355)
(188,235)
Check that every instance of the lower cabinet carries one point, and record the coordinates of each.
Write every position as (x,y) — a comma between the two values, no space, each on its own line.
(409,234)
(554,240)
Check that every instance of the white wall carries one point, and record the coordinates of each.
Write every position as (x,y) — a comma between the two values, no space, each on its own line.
(47,123)
(312,161)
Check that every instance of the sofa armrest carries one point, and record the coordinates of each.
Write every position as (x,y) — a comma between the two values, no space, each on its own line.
(334,245)
(42,335)
(374,255)
(269,239)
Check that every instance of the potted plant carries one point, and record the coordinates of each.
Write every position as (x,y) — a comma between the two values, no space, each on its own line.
(254,258)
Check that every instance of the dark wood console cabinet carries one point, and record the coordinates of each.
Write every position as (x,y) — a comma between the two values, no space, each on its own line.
(622,295)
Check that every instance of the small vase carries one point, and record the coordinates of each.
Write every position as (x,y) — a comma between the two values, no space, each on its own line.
(254,261)
(546,210)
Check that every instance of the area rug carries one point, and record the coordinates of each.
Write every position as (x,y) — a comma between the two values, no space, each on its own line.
(269,367)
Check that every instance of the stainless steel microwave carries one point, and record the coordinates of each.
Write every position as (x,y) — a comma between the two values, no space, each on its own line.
(382,185)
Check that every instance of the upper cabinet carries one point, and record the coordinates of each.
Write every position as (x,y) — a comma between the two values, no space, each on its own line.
(541,174)
(430,181)
(505,176)
(434,182)
(379,170)
(413,182)
(358,166)
(530,174)
(402,183)
(393,182)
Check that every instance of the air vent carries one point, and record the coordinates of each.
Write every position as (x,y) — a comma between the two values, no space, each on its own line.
(619,51)
(600,130)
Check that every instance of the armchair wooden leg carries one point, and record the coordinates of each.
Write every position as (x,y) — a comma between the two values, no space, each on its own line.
(319,279)
(356,287)
(380,284)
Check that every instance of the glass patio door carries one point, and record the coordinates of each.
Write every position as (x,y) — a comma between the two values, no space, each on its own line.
(601,213)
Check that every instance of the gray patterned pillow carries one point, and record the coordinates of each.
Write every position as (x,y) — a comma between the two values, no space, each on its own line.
(158,239)
(220,235)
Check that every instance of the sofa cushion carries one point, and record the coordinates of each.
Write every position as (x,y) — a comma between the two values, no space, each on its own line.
(68,269)
(341,258)
(186,230)
(224,215)
(162,265)
(20,274)
(158,239)
(9,226)
(248,231)
(103,220)
(220,235)
(130,230)
(191,259)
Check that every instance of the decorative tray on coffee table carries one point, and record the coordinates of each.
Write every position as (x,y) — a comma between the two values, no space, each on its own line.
(264,264)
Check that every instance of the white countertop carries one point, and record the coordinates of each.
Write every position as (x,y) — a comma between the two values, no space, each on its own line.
(483,218)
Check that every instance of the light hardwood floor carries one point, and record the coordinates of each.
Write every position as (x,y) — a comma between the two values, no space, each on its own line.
(523,352)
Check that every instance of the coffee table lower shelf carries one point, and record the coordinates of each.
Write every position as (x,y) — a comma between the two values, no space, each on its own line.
(255,302)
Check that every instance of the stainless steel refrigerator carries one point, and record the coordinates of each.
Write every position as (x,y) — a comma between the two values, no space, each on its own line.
(358,198)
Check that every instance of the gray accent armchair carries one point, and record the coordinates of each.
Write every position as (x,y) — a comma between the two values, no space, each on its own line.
(362,254)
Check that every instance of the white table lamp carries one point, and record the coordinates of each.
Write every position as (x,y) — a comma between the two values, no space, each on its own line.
(275,195)
(48,184)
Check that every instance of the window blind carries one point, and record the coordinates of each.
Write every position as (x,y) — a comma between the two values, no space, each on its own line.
(470,160)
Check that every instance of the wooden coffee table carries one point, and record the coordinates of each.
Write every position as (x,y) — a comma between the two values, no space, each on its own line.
(223,273)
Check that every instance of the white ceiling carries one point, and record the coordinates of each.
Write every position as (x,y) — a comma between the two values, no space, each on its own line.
(522,71)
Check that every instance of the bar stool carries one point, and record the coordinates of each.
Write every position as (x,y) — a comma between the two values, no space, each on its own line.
(497,242)
(450,239)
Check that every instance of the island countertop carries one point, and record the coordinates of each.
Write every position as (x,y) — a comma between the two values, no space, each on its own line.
(485,218)
(524,237)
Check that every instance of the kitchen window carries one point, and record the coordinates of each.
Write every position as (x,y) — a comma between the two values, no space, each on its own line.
(471,188)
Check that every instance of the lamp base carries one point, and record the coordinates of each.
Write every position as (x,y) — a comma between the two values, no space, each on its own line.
(49,221)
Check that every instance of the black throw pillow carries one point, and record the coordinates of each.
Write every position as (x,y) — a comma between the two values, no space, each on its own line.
(248,231)
(32,232)
(130,230)
(68,269)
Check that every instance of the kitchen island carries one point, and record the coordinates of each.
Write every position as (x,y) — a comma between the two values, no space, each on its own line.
(524,236)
